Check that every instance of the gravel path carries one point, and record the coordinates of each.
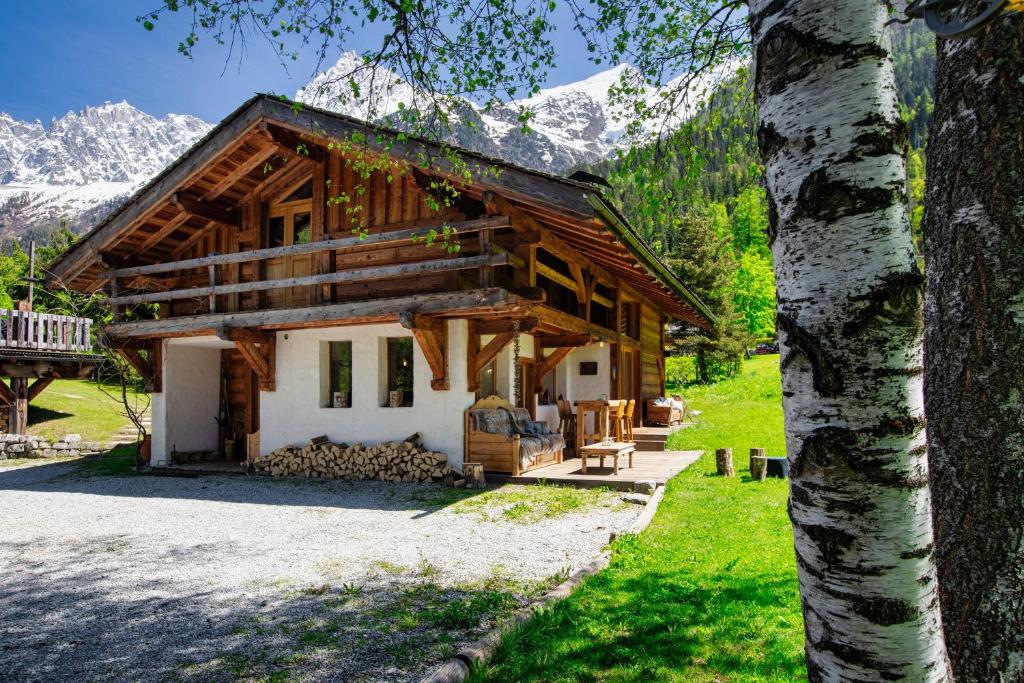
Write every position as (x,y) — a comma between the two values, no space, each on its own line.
(226,578)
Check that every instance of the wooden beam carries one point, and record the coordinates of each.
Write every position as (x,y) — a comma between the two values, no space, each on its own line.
(505,325)
(550,361)
(466,303)
(37,387)
(242,170)
(472,351)
(193,238)
(355,275)
(550,273)
(136,360)
(205,210)
(377,237)
(492,349)
(581,284)
(571,340)
(168,227)
(261,358)
(6,395)
(432,336)
(245,334)
(572,324)
(296,145)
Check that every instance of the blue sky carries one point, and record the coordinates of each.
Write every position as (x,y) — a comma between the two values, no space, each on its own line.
(57,56)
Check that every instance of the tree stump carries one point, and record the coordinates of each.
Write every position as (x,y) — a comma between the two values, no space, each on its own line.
(758,464)
(474,475)
(723,460)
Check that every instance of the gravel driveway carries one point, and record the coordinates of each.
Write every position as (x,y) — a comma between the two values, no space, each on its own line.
(244,578)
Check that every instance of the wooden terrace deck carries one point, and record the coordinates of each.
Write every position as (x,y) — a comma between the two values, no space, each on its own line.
(648,466)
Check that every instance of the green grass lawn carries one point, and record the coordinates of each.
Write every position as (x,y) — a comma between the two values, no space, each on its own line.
(708,592)
(77,407)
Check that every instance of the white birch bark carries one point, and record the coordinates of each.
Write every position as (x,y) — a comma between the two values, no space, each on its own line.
(849,311)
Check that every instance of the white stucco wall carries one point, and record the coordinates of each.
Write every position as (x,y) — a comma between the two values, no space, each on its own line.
(293,413)
(580,387)
(184,413)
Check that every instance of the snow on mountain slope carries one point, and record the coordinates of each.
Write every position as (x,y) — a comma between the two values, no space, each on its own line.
(84,163)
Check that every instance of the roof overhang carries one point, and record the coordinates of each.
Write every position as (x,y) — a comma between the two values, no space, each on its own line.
(573,202)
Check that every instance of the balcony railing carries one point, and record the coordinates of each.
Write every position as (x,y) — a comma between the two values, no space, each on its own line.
(44,332)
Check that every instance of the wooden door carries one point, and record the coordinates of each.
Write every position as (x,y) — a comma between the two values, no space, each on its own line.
(289,222)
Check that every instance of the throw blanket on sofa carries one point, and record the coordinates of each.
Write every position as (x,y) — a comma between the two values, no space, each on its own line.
(534,437)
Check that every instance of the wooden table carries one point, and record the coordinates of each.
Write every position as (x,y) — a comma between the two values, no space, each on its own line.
(601,409)
(612,450)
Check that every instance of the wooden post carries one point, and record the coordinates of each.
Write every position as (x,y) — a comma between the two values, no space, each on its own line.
(18,420)
(758,464)
(473,472)
(115,309)
(486,272)
(211,272)
(723,461)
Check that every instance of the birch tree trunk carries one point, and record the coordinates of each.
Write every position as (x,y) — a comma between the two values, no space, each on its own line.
(850,319)
(974,313)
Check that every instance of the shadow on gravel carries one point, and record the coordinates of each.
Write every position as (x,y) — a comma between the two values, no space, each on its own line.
(81,477)
(73,619)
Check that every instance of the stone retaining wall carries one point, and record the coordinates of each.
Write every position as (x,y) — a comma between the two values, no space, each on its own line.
(28,446)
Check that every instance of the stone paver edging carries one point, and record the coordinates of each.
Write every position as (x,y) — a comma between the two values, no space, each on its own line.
(456,669)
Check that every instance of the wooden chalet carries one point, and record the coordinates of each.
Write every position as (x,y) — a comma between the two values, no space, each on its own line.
(275,319)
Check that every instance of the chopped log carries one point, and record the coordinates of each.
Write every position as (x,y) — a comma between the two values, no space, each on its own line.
(723,461)
(758,464)
(473,472)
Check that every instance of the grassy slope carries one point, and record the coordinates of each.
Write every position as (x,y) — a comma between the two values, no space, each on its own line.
(708,592)
(76,407)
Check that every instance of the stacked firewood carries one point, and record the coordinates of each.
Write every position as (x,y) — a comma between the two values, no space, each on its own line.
(405,461)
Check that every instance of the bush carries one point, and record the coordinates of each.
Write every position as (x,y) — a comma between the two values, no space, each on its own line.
(682,371)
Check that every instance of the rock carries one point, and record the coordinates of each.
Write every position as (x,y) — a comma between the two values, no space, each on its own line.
(72,438)
(645,487)
(636,498)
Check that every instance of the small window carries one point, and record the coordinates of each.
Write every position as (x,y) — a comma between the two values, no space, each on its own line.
(489,380)
(275,231)
(339,370)
(303,191)
(302,228)
(399,371)
(547,392)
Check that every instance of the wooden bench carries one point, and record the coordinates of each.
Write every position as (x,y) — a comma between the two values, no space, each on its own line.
(501,452)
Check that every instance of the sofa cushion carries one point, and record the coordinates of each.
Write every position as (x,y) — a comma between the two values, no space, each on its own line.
(492,421)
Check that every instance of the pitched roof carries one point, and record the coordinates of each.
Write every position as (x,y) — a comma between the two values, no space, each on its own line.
(575,212)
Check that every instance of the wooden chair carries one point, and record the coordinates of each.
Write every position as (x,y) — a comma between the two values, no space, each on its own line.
(620,413)
(625,426)
(566,421)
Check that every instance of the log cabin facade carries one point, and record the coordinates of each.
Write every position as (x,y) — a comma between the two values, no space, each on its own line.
(296,294)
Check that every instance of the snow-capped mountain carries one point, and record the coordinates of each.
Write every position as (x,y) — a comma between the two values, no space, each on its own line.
(570,124)
(83,164)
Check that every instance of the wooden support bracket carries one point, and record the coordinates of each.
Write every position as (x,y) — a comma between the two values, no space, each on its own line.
(6,395)
(492,349)
(259,350)
(432,336)
(550,361)
(37,387)
(205,210)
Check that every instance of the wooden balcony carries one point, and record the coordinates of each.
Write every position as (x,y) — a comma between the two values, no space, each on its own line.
(45,332)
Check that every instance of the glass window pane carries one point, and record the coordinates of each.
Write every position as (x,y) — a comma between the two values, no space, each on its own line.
(488,376)
(302,228)
(275,231)
(341,374)
(304,191)
(400,377)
